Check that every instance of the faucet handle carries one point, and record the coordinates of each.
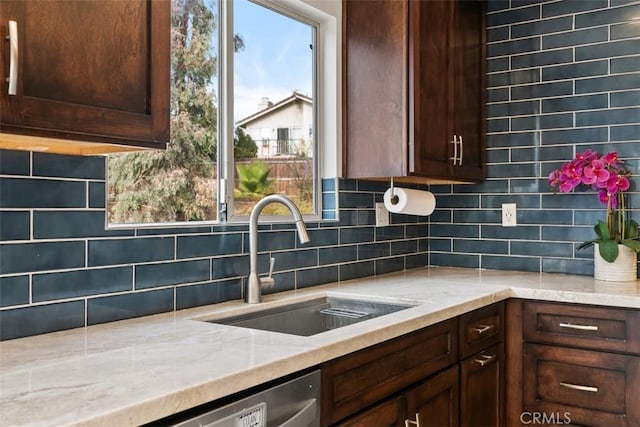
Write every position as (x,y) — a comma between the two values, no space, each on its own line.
(272,263)
(268,281)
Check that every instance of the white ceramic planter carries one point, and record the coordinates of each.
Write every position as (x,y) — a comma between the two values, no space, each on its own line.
(623,269)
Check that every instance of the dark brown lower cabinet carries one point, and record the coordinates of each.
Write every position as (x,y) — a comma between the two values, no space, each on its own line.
(447,375)
(435,402)
(584,387)
(390,413)
(482,388)
(572,364)
(361,380)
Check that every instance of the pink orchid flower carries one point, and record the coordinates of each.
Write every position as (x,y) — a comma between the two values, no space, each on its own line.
(596,173)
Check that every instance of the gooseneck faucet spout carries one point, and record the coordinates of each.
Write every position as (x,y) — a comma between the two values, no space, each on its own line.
(255,283)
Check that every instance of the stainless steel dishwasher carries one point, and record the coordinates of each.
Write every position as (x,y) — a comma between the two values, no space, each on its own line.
(295,403)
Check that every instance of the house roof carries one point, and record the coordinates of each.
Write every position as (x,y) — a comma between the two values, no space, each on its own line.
(295,96)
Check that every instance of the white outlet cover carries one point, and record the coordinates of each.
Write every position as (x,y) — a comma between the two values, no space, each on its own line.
(509,218)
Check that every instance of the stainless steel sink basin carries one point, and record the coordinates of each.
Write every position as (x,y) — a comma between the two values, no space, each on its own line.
(312,317)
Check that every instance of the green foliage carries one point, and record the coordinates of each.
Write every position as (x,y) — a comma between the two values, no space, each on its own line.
(608,246)
(253,178)
(244,147)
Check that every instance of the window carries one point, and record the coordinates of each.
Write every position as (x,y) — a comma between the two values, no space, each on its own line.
(283,141)
(243,88)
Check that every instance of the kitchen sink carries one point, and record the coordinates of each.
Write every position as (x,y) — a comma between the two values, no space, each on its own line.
(312,317)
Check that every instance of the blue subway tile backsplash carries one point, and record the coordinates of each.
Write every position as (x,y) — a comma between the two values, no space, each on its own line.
(125,306)
(68,167)
(15,225)
(174,273)
(30,257)
(577,89)
(14,290)
(563,76)
(538,27)
(126,251)
(208,293)
(39,319)
(15,162)
(78,283)
(57,258)
(42,193)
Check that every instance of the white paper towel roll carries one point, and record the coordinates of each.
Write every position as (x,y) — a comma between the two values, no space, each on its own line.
(410,202)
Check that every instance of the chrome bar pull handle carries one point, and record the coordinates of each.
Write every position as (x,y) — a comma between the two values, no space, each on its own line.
(13,58)
(481,329)
(579,327)
(415,423)
(455,149)
(590,389)
(485,359)
(461,151)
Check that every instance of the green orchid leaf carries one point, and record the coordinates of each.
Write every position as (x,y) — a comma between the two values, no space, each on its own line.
(631,229)
(602,231)
(587,244)
(608,250)
(632,243)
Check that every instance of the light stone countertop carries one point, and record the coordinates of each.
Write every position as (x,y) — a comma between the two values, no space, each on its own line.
(139,370)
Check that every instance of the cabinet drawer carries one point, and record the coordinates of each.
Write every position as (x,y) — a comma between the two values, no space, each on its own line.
(595,328)
(590,388)
(480,329)
(360,379)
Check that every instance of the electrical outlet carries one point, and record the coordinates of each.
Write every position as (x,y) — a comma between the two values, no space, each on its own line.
(382,215)
(509,215)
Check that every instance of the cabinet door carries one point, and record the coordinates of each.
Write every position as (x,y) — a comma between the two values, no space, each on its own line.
(435,402)
(430,86)
(390,413)
(481,388)
(468,50)
(589,388)
(447,85)
(94,71)
(354,382)
(375,88)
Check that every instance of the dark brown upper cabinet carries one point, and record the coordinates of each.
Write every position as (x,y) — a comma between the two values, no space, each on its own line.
(93,72)
(414,90)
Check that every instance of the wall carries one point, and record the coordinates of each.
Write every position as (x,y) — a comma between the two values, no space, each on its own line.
(60,268)
(564,76)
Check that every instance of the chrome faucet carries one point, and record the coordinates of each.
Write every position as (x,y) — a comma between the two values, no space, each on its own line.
(255,283)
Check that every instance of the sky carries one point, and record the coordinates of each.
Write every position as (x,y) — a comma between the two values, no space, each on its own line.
(276,59)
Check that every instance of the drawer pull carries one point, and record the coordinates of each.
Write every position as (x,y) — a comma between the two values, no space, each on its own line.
(485,359)
(579,327)
(580,387)
(416,422)
(481,329)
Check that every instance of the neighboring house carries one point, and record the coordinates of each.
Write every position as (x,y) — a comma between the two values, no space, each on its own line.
(282,129)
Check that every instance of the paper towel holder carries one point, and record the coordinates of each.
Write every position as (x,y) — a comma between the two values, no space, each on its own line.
(394,199)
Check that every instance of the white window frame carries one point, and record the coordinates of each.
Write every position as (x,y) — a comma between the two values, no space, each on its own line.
(326,16)
(303,12)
